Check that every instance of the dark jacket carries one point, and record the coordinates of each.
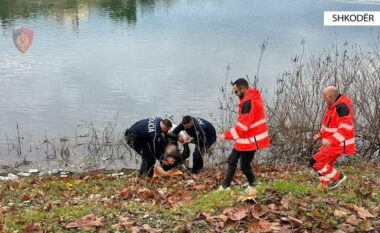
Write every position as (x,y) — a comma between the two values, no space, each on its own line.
(147,132)
(202,132)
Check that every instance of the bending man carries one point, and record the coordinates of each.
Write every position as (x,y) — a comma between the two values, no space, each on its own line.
(148,137)
(203,136)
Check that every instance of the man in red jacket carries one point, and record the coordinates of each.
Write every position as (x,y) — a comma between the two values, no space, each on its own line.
(337,135)
(250,133)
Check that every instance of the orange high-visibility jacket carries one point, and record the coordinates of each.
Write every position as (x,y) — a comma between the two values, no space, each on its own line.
(250,133)
(338,126)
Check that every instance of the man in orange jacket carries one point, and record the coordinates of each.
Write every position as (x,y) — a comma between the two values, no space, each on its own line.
(337,135)
(250,133)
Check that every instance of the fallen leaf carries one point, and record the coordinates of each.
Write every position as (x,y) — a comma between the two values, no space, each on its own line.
(135,230)
(246,198)
(363,213)
(223,217)
(236,214)
(149,229)
(116,227)
(25,198)
(250,196)
(124,194)
(260,227)
(88,222)
(254,228)
(258,211)
(366,226)
(252,192)
(205,216)
(272,206)
(316,214)
(295,221)
(340,213)
(352,220)
(339,231)
(302,209)
(346,227)
(3,228)
(33,228)
(374,211)
(48,207)
(285,203)
(126,223)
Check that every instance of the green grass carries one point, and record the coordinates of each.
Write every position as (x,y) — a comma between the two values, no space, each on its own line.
(209,202)
(294,186)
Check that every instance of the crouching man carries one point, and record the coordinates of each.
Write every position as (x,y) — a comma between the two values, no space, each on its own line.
(203,135)
(337,136)
(148,137)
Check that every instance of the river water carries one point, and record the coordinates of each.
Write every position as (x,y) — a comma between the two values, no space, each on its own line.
(92,60)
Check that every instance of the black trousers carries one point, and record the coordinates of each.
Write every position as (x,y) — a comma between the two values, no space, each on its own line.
(197,160)
(147,163)
(246,158)
(143,149)
(198,155)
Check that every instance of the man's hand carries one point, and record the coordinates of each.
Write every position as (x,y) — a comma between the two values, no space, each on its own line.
(184,140)
(326,142)
(317,136)
(221,137)
(168,161)
(181,139)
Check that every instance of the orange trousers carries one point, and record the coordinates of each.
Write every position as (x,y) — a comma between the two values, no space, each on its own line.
(323,162)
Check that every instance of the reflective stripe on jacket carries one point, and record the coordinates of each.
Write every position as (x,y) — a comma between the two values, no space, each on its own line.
(250,132)
(338,126)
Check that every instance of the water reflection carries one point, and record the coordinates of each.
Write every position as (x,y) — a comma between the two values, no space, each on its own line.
(73,12)
(71,17)
(124,10)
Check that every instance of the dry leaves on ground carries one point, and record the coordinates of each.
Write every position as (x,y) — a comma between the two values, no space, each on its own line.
(88,222)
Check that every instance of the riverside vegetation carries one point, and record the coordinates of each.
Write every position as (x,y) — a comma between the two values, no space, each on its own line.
(286,200)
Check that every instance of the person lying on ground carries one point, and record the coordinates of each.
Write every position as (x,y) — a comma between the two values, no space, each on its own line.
(173,156)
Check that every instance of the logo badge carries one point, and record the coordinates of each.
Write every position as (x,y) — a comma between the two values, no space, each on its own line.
(23,38)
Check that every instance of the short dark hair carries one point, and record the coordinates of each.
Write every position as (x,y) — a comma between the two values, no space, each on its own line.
(167,123)
(186,119)
(241,82)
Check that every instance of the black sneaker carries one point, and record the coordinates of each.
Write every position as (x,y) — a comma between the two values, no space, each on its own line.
(335,184)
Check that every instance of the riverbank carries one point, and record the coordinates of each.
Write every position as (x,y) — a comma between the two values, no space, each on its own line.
(287,199)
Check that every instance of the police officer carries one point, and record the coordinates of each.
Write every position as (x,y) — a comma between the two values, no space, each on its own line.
(203,136)
(148,137)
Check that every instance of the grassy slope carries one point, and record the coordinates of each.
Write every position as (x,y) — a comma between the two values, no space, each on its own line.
(172,203)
